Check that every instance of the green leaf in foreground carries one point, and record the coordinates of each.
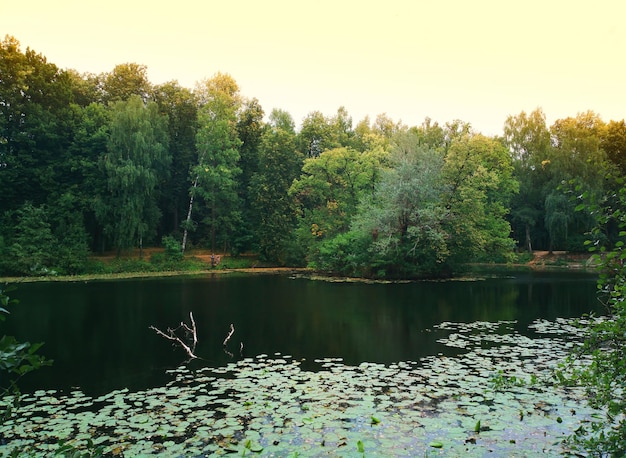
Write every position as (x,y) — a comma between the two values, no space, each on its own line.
(436,444)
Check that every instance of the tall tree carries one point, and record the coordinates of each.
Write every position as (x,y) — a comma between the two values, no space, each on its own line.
(136,162)
(576,155)
(479,174)
(403,220)
(180,107)
(528,139)
(35,125)
(217,146)
(613,142)
(30,249)
(250,130)
(316,135)
(279,165)
(88,185)
(329,190)
(125,81)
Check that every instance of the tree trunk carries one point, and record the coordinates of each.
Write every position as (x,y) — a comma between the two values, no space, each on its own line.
(184,244)
(529,245)
(213,226)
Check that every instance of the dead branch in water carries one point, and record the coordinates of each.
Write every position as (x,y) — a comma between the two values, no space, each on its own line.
(230,334)
(171,335)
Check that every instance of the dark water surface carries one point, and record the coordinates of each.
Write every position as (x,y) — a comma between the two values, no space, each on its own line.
(98,332)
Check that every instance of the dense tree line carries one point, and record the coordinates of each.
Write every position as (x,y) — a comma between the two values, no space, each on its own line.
(92,163)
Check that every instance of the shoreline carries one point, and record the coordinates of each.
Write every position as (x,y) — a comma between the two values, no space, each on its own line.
(542,261)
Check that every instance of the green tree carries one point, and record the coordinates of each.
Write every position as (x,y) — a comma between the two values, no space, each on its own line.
(366,139)
(71,250)
(316,135)
(330,188)
(429,134)
(125,81)
(387,127)
(180,107)
(217,146)
(136,162)
(577,155)
(479,175)
(279,165)
(30,249)
(35,125)
(86,88)
(404,217)
(86,183)
(250,130)
(613,143)
(528,139)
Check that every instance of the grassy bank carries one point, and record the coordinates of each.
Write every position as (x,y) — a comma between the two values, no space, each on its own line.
(153,263)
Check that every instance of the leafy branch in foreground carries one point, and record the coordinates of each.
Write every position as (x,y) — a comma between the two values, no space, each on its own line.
(16,359)
(605,342)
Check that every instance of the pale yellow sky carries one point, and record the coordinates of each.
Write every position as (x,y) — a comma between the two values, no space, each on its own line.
(474,60)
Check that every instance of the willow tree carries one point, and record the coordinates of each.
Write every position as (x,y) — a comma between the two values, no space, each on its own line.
(137,159)
(403,218)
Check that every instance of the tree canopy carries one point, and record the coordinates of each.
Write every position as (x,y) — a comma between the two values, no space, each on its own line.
(121,163)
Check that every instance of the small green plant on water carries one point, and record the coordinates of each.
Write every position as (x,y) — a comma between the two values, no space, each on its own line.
(501,381)
(68,450)
(360,447)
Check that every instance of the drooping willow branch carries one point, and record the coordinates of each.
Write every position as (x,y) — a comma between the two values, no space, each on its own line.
(171,335)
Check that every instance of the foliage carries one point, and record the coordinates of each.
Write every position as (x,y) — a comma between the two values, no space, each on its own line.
(136,161)
(116,162)
(179,105)
(329,190)
(16,360)
(346,254)
(432,210)
(173,249)
(479,173)
(217,169)
(30,251)
(604,378)
(279,165)
(404,218)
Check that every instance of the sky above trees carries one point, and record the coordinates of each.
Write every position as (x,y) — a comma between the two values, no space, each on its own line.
(477,61)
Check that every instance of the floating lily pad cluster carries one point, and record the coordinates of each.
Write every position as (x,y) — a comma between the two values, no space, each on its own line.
(268,405)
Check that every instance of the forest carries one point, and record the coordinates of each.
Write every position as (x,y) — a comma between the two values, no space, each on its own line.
(112,163)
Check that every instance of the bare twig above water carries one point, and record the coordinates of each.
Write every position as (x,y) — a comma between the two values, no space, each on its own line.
(230,334)
(171,335)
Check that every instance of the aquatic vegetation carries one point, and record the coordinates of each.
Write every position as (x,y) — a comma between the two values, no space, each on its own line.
(268,405)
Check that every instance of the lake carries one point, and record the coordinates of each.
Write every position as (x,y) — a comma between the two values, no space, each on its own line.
(98,332)
(389,368)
